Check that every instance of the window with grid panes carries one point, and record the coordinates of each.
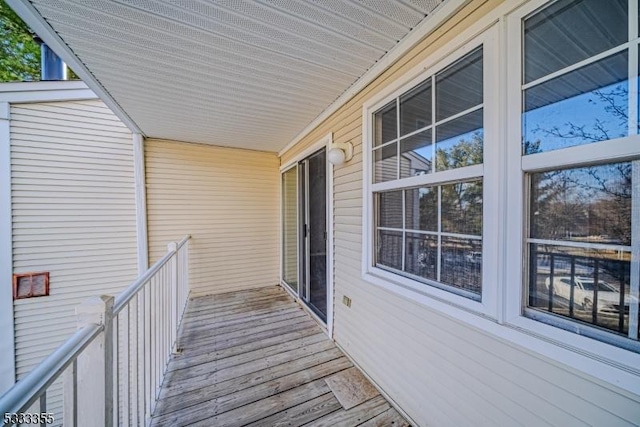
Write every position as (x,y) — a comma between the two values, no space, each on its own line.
(580,99)
(427,155)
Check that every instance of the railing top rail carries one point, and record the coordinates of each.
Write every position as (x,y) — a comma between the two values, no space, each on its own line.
(183,241)
(26,391)
(125,296)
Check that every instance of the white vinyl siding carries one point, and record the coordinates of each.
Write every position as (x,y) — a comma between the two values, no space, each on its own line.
(73,214)
(228,200)
(443,371)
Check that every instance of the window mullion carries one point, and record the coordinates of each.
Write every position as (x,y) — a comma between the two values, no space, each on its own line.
(433,123)
(404,229)
(398,137)
(633,21)
(439,255)
(633,69)
(576,66)
(635,251)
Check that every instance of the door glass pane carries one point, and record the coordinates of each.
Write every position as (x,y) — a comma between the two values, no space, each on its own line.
(318,234)
(290,228)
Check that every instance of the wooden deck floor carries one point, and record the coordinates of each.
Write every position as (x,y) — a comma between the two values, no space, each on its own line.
(257,358)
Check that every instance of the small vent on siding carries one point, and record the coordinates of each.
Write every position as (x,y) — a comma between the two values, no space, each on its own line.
(28,285)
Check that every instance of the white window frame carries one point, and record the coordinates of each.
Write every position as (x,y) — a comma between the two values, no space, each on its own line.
(488,172)
(602,359)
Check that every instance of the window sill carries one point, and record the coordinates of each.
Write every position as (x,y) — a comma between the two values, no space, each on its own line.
(423,293)
(615,366)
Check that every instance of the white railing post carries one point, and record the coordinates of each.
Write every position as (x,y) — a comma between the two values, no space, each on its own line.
(94,368)
(173,295)
(70,396)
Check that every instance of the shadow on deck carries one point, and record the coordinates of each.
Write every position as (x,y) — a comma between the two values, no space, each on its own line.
(257,358)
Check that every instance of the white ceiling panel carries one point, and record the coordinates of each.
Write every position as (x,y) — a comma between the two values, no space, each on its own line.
(240,73)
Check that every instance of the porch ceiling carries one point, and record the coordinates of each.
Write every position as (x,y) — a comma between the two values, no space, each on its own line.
(240,73)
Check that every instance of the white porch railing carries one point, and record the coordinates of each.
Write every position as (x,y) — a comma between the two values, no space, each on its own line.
(114,364)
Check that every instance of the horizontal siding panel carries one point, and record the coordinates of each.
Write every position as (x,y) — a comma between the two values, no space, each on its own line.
(98,175)
(72,248)
(60,129)
(348,174)
(227,199)
(29,263)
(71,155)
(53,211)
(67,187)
(72,110)
(37,115)
(35,240)
(73,214)
(348,186)
(349,195)
(38,136)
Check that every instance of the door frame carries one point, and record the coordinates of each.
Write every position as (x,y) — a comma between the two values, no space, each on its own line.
(325,142)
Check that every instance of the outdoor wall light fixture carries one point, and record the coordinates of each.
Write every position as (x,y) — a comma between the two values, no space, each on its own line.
(340,153)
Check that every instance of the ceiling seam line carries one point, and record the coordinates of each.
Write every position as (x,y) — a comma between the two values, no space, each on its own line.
(419,16)
(237,86)
(268,24)
(275,52)
(201,63)
(217,47)
(298,18)
(295,59)
(415,8)
(401,27)
(363,8)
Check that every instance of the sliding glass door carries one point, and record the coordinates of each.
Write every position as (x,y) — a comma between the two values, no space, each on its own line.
(290,228)
(304,231)
(313,196)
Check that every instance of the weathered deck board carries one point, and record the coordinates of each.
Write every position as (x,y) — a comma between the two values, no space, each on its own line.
(256,358)
(390,417)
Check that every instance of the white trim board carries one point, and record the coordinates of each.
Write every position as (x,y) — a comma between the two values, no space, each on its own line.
(40,26)
(440,15)
(141,202)
(7,344)
(322,142)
